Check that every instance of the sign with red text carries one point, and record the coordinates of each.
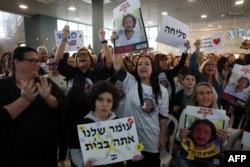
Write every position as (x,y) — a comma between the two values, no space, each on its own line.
(195,119)
(237,89)
(74,42)
(212,42)
(110,141)
(173,32)
(129,28)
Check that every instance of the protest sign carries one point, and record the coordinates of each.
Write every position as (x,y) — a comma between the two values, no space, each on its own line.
(214,119)
(237,89)
(129,28)
(173,33)
(108,142)
(75,40)
(212,42)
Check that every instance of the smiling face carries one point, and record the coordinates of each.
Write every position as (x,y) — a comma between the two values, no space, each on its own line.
(204,96)
(242,83)
(144,67)
(103,105)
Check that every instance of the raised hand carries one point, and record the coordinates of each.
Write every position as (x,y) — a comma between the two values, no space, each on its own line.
(197,45)
(66,31)
(114,36)
(187,45)
(102,34)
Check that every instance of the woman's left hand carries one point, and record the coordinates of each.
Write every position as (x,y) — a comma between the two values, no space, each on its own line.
(43,87)
(222,134)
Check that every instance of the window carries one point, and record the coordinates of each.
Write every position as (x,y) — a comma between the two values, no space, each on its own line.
(9,23)
(152,33)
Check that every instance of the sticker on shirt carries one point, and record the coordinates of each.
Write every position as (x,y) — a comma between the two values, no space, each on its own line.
(88,85)
(164,82)
(148,107)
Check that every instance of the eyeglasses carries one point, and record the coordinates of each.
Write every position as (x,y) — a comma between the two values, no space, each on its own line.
(52,64)
(32,61)
(82,54)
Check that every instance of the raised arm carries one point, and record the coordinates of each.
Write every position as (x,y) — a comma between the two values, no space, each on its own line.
(193,67)
(61,48)
(106,49)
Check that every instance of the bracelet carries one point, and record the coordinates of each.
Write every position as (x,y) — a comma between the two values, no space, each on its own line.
(64,39)
(104,41)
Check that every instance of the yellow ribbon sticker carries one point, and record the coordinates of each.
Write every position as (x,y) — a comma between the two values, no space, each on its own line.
(205,153)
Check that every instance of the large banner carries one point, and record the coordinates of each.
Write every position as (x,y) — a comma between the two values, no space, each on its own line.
(213,117)
(75,40)
(108,142)
(237,89)
(129,28)
(173,32)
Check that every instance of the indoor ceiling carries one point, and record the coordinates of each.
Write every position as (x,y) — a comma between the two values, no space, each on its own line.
(187,11)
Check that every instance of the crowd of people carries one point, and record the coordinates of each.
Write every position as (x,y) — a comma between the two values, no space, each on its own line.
(45,96)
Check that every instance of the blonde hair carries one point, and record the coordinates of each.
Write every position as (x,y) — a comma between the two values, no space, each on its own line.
(193,101)
(215,75)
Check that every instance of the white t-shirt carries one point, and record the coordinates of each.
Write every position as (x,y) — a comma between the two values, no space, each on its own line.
(146,116)
(123,41)
(59,80)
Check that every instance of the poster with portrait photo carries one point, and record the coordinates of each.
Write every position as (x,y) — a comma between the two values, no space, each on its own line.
(209,120)
(237,89)
(129,28)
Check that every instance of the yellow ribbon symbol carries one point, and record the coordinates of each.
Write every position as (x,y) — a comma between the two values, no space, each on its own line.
(208,152)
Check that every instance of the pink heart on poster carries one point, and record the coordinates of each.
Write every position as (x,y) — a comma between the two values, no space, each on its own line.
(216,41)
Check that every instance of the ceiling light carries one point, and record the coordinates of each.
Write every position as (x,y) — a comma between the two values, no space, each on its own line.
(210,25)
(104,2)
(204,16)
(46,1)
(150,22)
(191,0)
(164,13)
(77,19)
(23,6)
(72,8)
(240,2)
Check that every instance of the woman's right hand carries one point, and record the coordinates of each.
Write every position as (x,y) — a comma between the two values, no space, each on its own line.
(66,31)
(197,45)
(29,90)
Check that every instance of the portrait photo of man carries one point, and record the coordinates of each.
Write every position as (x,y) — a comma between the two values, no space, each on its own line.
(129,35)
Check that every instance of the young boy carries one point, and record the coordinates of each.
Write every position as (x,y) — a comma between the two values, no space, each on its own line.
(182,96)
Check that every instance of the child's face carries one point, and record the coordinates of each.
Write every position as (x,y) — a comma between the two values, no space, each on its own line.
(189,81)
(242,84)
(103,105)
